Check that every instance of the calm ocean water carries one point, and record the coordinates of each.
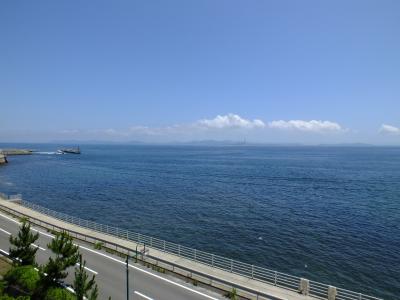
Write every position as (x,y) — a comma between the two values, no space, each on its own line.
(330,214)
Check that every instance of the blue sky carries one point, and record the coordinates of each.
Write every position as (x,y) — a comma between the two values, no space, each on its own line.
(273,71)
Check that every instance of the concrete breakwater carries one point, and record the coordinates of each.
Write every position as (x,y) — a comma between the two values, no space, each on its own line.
(16,151)
(8,152)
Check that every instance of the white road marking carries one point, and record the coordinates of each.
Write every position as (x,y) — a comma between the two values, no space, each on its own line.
(151,274)
(90,270)
(5,252)
(5,231)
(45,234)
(122,262)
(141,295)
(11,219)
(34,245)
(15,221)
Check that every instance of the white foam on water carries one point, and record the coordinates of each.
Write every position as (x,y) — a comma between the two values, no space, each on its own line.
(46,153)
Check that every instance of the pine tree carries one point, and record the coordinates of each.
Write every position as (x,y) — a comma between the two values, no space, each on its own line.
(67,255)
(22,250)
(94,293)
(81,284)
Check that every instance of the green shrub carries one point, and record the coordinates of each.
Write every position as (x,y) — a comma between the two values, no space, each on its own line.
(25,277)
(6,297)
(232,294)
(98,245)
(23,219)
(59,294)
(3,285)
(53,232)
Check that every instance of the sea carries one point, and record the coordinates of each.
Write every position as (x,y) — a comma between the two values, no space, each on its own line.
(329,214)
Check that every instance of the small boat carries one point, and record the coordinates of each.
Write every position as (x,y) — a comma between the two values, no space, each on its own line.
(69,151)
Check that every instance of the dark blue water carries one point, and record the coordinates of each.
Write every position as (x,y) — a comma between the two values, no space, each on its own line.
(330,214)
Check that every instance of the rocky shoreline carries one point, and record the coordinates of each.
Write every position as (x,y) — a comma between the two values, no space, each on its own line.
(3,158)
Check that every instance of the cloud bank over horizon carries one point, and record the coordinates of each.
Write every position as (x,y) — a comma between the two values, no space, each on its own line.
(306,126)
(230,126)
(234,123)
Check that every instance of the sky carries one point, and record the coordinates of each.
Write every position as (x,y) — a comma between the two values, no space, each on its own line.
(263,71)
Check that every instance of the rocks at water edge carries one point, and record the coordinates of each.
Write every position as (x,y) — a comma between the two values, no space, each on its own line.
(3,158)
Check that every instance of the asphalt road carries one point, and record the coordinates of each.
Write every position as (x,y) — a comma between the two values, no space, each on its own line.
(110,271)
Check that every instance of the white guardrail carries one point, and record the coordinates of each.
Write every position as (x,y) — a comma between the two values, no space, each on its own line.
(286,281)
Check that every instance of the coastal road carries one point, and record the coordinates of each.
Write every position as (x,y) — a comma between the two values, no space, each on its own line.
(110,271)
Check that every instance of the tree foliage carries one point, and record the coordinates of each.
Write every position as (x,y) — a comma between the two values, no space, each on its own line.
(58,294)
(81,284)
(22,251)
(66,255)
(25,277)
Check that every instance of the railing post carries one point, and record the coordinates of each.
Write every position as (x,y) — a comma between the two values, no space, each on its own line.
(252,271)
(332,292)
(195,254)
(275,277)
(304,286)
(212,260)
(164,245)
(179,250)
(231,265)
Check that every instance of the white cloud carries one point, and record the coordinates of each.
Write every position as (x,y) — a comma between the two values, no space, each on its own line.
(110,131)
(230,121)
(310,126)
(229,126)
(69,131)
(389,129)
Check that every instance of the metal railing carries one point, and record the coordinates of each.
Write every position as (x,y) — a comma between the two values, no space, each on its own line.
(286,281)
(11,197)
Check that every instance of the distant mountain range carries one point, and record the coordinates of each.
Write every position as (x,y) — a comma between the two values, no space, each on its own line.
(206,143)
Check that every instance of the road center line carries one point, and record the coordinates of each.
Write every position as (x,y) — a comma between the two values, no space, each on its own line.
(34,245)
(90,270)
(4,252)
(5,231)
(144,296)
